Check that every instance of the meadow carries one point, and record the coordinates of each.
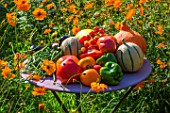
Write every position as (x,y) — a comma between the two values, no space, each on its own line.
(24,23)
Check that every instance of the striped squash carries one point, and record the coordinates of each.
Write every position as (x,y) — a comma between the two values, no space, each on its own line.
(130,57)
(71,46)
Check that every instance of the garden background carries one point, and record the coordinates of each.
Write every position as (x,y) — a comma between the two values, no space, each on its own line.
(24,23)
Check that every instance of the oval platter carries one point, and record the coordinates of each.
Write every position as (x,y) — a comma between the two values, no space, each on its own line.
(129,79)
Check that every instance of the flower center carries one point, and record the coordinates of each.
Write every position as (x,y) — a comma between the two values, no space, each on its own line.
(39,14)
(48,67)
(23,2)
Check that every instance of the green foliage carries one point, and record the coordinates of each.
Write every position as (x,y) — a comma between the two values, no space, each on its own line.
(2,13)
(152,98)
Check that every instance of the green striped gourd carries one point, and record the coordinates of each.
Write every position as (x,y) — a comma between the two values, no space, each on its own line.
(71,46)
(130,57)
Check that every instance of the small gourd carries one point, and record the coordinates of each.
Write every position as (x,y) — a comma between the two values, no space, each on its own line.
(130,57)
(130,36)
(71,46)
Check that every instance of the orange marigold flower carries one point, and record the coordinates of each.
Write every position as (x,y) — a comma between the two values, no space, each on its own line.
(130,14)
(19,56)
(38,91)
(158,0)
(98,87)
(161,45)
(139,85)
(3,64)
(16,1)
(159,62)
(69,19)
(18,61)
(72,8)
(88,5)
(5,5)
(11,18)
(68,1)
(142,1)
(89,22)
(140,21)
(164,80)
(63,10)
(46,31)
(48,66)
(117,3)
(51,24)
(49,6)
(74,11)
(129,6)
(22,5)
(151,80)
(27,87)
(141,11)
(21,66)
(39,13)
(109,2)
(80,13)
(117,25)
(75,21)
(41,106)
(75,29)
(159,27)
(162,66)
(6,73)
(34,77)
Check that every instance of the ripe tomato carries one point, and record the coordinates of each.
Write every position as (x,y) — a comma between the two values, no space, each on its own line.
(88,76)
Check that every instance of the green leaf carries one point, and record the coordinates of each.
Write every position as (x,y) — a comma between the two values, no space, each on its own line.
(3,12)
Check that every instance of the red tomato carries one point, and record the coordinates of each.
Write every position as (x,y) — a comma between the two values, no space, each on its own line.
(97,68)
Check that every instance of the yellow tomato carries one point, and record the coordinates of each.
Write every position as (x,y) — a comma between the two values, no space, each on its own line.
(88,76)
(83,32)
(87,62)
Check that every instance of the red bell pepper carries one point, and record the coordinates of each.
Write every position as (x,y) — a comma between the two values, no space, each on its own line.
(92,51)
(67,69)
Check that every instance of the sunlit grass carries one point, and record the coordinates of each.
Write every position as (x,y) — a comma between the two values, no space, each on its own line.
(22,28)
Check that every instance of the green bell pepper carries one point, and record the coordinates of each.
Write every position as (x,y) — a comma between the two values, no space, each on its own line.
(105,58)
(111,73)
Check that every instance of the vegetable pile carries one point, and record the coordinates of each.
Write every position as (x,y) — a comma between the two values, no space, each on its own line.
(93,56)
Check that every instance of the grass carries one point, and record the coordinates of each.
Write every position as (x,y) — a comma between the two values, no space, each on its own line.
(16,94)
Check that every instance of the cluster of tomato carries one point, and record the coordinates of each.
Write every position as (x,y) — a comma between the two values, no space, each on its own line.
(92,37)
(96,43)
